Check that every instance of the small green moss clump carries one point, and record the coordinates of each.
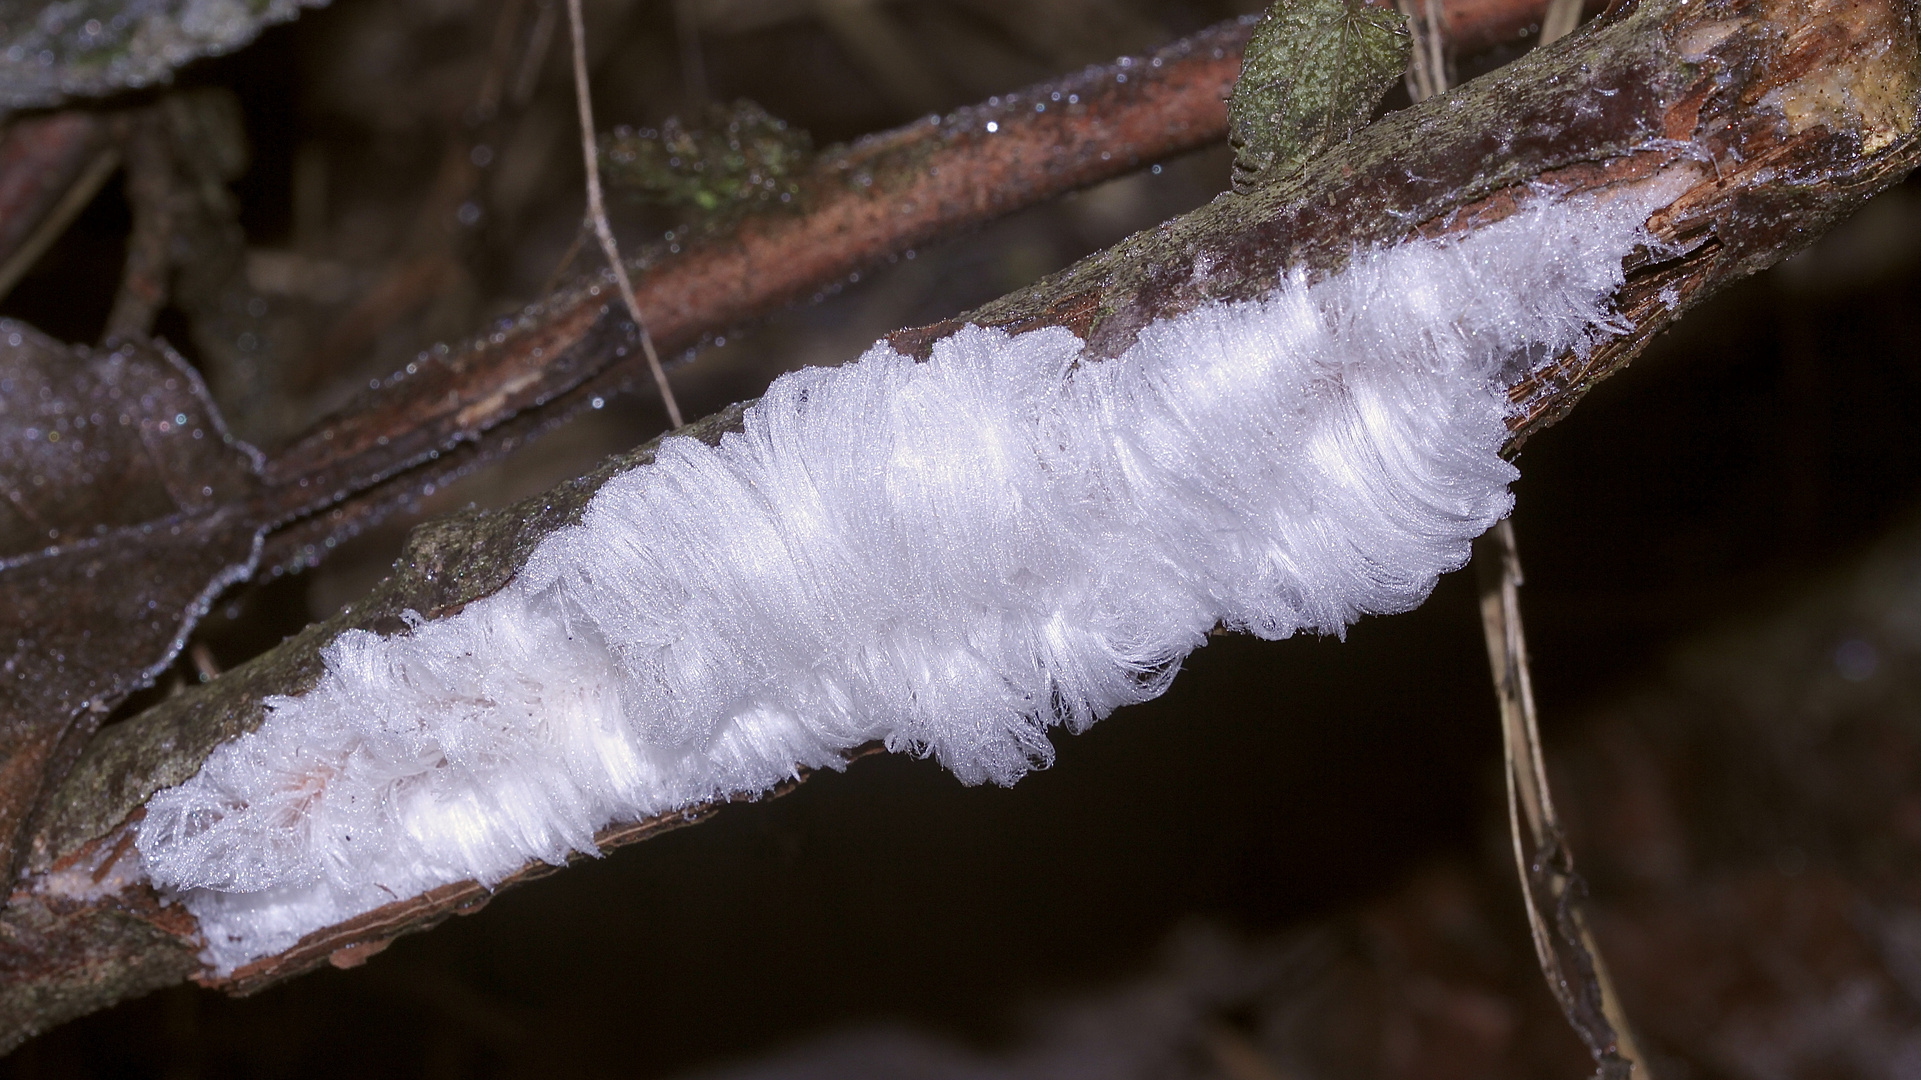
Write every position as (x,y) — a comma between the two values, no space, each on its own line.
(1313,73)
(740,157)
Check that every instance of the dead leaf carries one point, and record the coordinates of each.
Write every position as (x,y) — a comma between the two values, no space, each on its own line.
(124,515)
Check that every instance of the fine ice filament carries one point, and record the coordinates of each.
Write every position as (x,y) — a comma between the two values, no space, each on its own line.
(949,557)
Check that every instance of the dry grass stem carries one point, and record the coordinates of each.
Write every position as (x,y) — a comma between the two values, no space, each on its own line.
(1561,19)
(1552,890)
(597,212)
(1427,63)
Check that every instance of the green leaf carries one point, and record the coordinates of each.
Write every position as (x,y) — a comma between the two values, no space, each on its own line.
(1312,74)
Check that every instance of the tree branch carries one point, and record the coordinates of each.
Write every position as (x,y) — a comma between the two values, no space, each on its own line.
(1784,116)
(456,409)
(857,205)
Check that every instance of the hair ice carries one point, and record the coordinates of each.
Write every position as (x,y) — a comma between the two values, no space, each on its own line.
(948,556)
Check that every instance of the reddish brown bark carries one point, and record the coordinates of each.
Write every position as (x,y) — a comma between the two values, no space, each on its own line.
(881,196)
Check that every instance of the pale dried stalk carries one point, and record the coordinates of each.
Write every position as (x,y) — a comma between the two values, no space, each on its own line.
(1561,19)
(597,211)
(1553,892)
(1569,959)
(1427,63)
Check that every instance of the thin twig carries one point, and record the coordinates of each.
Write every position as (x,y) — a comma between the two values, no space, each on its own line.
(597,211)
(40,159)
(1552,890)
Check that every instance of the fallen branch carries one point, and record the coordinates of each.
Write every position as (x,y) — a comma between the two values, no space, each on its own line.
(856,206)
(1737,97)
(455,409)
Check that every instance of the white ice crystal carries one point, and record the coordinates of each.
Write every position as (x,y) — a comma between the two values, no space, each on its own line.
(948,556)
